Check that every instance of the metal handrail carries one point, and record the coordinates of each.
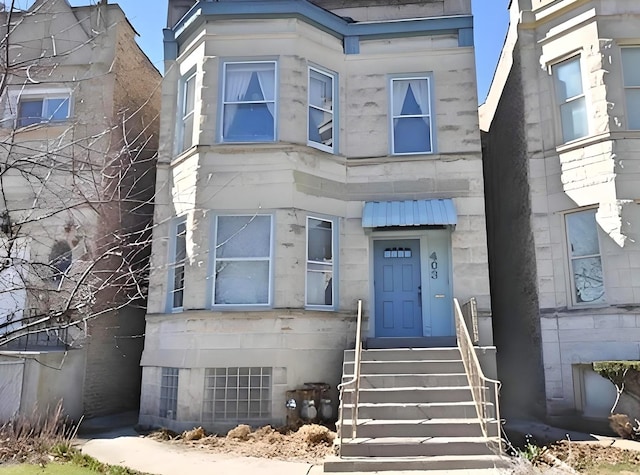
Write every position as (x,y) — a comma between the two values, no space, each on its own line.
(355,380)
(478,381)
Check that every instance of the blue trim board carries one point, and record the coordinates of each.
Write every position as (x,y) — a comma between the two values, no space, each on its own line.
(349,32)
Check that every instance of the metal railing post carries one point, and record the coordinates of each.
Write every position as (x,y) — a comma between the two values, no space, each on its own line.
(355,380)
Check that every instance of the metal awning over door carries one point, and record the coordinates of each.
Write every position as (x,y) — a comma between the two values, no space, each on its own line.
(437,212)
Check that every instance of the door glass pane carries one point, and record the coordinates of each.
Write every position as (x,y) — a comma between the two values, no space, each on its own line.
(583,234)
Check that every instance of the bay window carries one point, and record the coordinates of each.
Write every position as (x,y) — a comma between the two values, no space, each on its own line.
(570,99)
(177,264)
(249,104)
(631,76)
(187,106)
(242,260)
(320,280)
(321,102)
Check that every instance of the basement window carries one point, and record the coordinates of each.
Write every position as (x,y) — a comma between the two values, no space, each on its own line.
(237,394)
(169,393)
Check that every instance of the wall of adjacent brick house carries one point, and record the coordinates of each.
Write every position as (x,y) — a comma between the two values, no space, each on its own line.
(512,268)
(114,347)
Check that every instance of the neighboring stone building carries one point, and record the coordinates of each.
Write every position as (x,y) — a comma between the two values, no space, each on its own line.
(79,109)
(562,130)
(312,154)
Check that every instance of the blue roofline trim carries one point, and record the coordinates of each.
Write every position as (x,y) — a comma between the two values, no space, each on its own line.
(351,33)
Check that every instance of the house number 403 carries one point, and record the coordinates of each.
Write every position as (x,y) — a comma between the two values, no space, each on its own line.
(434,265)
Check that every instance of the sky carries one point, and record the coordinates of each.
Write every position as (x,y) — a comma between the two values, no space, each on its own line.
(491,18)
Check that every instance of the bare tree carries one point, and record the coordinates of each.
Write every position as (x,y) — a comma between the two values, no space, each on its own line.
(78,132)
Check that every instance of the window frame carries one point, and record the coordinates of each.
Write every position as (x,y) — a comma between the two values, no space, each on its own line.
(173,265)
(168,398)
(626,88)
(572,284)
(245,377)
(334,264)
(214,261)
(43,97)
(569,100)
(432,136)
(223,102)
(183,114)
(334,88)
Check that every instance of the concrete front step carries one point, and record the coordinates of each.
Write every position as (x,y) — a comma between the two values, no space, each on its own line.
(414,428)
(369,381)
(414,446)
(405,411)
(406,367)
(411,394)
(405,354)
(440,462)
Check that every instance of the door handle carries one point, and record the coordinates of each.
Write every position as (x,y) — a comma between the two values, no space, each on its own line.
(420,295)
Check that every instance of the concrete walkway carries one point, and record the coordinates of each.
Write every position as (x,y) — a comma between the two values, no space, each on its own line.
(150,456)
(125,447)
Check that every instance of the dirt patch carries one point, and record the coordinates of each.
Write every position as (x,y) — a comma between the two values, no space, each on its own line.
(587,457)
(311,443)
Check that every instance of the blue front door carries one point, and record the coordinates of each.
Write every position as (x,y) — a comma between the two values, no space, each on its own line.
(397,286)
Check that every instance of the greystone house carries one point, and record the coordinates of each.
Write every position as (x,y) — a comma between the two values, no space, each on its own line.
(314,154)
(561,134)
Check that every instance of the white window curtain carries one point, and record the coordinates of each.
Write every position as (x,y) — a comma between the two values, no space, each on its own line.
(237,80)
(420,88)
(267,82)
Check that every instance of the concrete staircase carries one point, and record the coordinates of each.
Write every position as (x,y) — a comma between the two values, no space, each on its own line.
(416,412)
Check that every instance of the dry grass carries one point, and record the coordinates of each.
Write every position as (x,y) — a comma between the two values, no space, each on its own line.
(30,438)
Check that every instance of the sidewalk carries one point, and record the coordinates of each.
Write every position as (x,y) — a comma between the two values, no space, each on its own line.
(125,447)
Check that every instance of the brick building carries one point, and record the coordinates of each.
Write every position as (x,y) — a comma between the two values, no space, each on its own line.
(79,109)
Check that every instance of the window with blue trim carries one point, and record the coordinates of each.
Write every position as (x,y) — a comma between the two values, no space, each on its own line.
(321,104)
(411,116)
(242,260)
(177,263)
(249,103)
(320,279)
(187,110)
